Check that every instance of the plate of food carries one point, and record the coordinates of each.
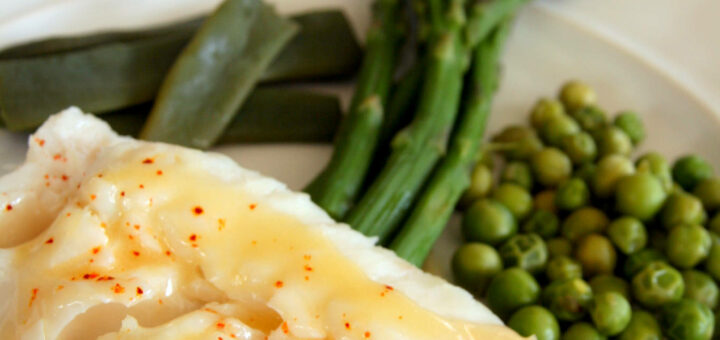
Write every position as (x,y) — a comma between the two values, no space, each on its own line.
(348,170)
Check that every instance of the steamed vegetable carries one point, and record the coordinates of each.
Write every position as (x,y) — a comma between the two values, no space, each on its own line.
(106,72)
(337,186)
(271,114)
(215,72)
(418,147)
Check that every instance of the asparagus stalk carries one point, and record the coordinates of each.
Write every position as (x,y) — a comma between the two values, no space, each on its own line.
(486,15)
(336,187)
(418,147)
(435,205)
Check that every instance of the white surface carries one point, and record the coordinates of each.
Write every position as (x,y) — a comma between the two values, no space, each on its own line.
(658,57)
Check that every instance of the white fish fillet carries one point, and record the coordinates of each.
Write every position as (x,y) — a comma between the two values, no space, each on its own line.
(70,270)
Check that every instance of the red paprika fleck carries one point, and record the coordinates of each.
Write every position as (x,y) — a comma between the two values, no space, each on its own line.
(40,142)
(139,291)
(220,325)
(118,289)
(136,253)
(141,186)
(8,207)
(137,227)
(90,276)
(49,241)
(308,268)
(93,197)
(168,253)
(159,172)
(198,210)
(57,156)
(253,206)
(367,334)
(122,193)
(96,250)
(33,296)
(148,161)
(193,237)
(285,328)
(64,177)
(347,326)
(278,284)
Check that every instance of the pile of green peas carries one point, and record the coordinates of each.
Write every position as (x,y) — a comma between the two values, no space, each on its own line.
(573,240)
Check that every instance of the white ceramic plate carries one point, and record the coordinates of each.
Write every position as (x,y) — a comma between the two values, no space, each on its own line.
(545,49)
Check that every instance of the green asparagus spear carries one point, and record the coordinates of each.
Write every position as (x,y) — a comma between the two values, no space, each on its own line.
(435,205)
(106,72)
(215,72)
(270,114)
(336,187)
(486,15)
(418,147)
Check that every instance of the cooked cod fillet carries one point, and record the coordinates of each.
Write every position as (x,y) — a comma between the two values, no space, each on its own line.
(106,236)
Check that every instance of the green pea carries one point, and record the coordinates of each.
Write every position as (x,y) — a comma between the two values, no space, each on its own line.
(516,198)
(596,255)
(535,320)
(518,173)
(568,299)
(611,140)
(712,263)
(545,200)
(572,195)
(489,222)
(701,288)
(690,170)
(481,182)
(688,245)
(551,167)
(558,128)
(519,142)
(632,125)
(584,221)
(642,326)
(656,164)
(582,331)
(474,264)
(563,267)
(637,261)
(609,171)
(576,95)
(640,195)
(559,246)
(687,320)
(541,222)
(610,312)
(682,208)
(579,147)
(511,289)
(609,283)
(590,118)
(527,251)
(657,284)
(708,191)
(545,110)
(627,234)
